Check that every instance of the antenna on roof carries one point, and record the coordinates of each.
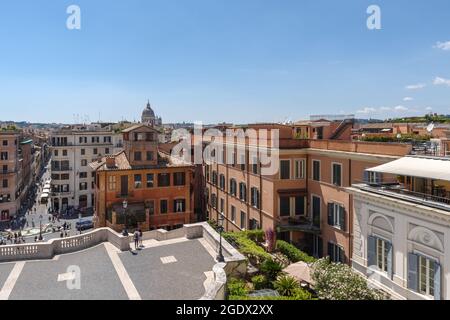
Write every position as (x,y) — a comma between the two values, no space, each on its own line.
(430,128)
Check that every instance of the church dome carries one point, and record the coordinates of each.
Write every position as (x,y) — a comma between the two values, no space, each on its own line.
(148,112)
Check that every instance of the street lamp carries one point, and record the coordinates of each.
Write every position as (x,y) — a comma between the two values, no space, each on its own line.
(40,228)
(79,222)
(125,205)
(220,257)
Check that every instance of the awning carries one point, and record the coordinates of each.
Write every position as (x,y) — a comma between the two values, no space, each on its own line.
(300,271)
(46,190)
(421,167)
(44,195)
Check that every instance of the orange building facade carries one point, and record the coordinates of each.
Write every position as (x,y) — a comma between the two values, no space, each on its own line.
(305,201)
(156,188)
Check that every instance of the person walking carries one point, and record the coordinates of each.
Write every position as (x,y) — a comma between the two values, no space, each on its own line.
(140,238)
(136,239)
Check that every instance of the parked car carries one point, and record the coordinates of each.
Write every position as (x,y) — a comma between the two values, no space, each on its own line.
(84,224)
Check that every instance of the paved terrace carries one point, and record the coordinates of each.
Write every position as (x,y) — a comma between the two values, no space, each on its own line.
(176,265)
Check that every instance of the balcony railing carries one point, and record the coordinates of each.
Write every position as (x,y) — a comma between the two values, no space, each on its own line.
(300,223)
(400,191)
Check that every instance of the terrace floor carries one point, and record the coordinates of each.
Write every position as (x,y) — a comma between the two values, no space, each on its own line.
(169,270)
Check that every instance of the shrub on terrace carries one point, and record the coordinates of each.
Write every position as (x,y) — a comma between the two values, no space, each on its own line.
(293,254)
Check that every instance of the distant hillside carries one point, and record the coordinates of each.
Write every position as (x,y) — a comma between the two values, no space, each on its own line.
(427,119)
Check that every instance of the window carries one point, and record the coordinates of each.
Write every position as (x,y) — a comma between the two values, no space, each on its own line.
(316,170)
(65,176)
(337,174)
(106,139)
(64,153)
(382,254)
(137,156)
(83,152)
(299,169)
(336,216)
(285,206)
(285,169)
(299,206)
(243,220)
(336,253)
(179,205)
(255,200)
(56,152)
(214,201)
(83,163)
(426,276)
(179,178)
(255,165)
(242,163)
(292,206)
(242,191)
(316,211)
(317,246)
(222,206)
(106,150)
(233,187)
(222,182)
(137,181)
(163,209)
(83,175)
(83,186)
(150,156)
(150,180)
(233,214)
(5,168)
(5,183)
(164,180)
(112,183)
(95,151)
(4,156)
(214,178)
(5,143)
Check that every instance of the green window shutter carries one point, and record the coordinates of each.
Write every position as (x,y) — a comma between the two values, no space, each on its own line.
(371,251)
(330,214)
(413,270)
(342,219)
(389,260)
(331,251)
(437,281)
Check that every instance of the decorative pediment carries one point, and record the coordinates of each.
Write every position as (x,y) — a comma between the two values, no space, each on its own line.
(426,237)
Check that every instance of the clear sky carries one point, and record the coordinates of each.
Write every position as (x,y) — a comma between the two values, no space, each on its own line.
(222,60)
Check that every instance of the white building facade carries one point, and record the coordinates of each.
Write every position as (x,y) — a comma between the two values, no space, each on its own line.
(72,150)
(401,239)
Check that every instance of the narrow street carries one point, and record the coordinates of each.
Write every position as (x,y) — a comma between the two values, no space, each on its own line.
(30,222)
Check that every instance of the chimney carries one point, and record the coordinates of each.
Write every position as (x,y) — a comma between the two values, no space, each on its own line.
(110,162)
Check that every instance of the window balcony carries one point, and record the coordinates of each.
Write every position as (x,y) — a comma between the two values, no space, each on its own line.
(64,169)
(298,223)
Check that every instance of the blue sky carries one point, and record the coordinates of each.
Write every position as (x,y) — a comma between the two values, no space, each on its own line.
(222,60)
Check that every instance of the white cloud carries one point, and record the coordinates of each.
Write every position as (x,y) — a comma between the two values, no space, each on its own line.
(443,45)
(416,86)
(385,109)
(367,110)
(428,108)
(441,81)
(400,108)
(408,99)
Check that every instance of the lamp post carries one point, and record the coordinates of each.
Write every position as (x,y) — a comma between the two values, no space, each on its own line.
(220,257)
(79,222)
(40,228)
(125,205)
